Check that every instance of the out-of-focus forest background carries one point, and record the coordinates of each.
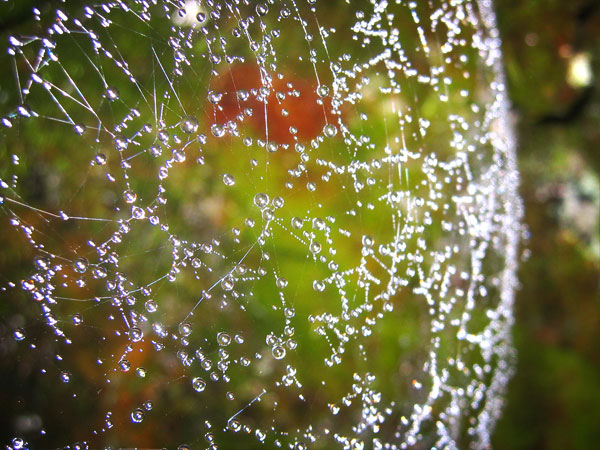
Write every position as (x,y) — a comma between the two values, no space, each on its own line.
(552,60)
(552,56)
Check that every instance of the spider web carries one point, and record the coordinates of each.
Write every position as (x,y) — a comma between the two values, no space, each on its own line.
(237,224)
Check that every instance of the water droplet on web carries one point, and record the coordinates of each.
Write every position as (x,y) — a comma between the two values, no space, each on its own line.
(79,128)
(120,142)
(151,306)
(268,214)
(81,265)
(112,93)
(297,222)
(24,111)
(214,97)
(315,247)
(65,376)
(185,329)
(18,444)
(189,124)
(260,435)
(129,196)
(228,180)
(367,240)
(217,130)
(100,159)
(19,334)
(329,130)
(138,213)
(135,334)
(227,284)
(223,339)
(234,425)
(77,319)
(124,365)
(262,9)
(278,352)
(137,415)
(261,200)
(318,223)
(323,90)
(318,286)
(198,384)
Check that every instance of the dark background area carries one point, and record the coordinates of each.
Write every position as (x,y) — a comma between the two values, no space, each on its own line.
(554,399)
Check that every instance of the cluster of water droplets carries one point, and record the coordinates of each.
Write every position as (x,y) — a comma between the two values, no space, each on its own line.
(292,223)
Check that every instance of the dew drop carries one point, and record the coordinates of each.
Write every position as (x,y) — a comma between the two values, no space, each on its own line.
(268,214)
(297,222)
(79,128)
(323,90)
(19,334)
(367,241)
(24,111)
(189,124)
(198,384)
(120,142)
(129,196)
(112,93)
(185,329)
(329,130)
(135,334)
(214,97)
(262,9)
(138,213)
(234,425)
(151,306)
(223,339)
(80,265)
(137,415)
(124,365)
(217,130)
(278,202)
(227,284)
(261,200)
(318,286)
(100,159)
(315,247)
(278,352)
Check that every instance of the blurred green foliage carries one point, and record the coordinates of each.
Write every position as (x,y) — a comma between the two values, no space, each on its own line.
(554,399)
